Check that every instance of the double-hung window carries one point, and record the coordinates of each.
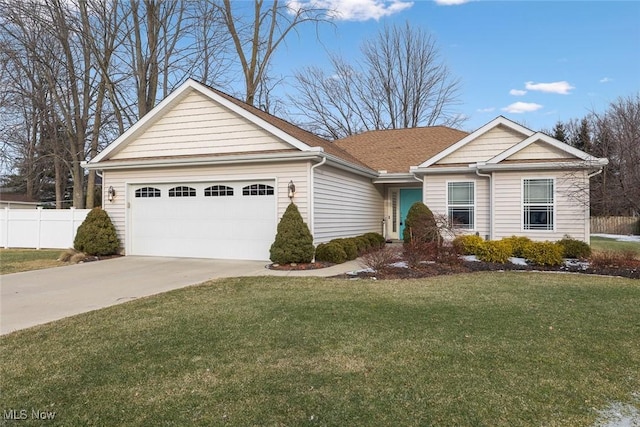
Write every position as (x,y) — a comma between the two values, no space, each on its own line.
(461,204)
(538,204)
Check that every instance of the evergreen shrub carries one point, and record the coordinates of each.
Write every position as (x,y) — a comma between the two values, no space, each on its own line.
(573,248)
(494,251)
(519,245)
(331,252)
(420,225)
(293,242)
(468,244)
(544,253)
(349,246)
(97,235)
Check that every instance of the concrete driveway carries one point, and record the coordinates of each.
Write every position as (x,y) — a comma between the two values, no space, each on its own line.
(41,296)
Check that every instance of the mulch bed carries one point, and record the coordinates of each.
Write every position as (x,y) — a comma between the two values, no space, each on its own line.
(300,266)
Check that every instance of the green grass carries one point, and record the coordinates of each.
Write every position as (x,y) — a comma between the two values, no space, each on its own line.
(601,244)
(485,349)
(16,260)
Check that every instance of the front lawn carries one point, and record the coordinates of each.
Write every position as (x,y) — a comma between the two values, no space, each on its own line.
(17,260)
(473,349)
(601,244)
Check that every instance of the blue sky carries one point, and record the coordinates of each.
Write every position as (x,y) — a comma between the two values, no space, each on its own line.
(535,62)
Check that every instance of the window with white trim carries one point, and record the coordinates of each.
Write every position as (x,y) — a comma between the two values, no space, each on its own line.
(182,191)
(147,192)
(257,190)
(538,204)
(218,190)
(461,204)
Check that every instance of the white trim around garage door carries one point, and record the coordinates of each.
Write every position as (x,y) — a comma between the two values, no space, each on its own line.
(203,245)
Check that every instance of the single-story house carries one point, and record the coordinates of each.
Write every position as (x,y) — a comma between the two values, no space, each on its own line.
(206,175)
(17,201)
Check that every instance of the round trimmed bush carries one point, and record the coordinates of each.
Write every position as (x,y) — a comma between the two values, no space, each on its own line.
(349,246)
(468,244)
(420,225)
(573,248)
(363,244)
(293,242)
(331,252)
(377,240)
(97,235)
(544,253)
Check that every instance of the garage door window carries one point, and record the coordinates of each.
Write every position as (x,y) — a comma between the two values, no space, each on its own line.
(257,190)
(147,192)
(218,190)
(182,192)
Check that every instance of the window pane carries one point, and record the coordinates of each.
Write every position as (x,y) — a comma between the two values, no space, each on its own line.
(461,217)
(538,218)
(461,193)
(538,191)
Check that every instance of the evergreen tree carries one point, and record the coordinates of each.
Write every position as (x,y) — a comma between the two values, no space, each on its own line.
(293,242)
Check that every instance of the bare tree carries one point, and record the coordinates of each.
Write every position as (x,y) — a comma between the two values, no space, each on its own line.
(399,82)
(258,35)
(618,138)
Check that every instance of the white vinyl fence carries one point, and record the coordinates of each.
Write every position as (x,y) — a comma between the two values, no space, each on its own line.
(40,228)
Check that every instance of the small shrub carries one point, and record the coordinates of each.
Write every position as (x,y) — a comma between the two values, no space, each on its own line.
(377,240)
(349,246)
(416,251)
(614,259)
(97,235)
(293,242)
(495,251)
(573,248)
(68,255)
(420,225)
(519,245)
(380,259)
(331,252)
(544,253)
(468,244)
(362,244)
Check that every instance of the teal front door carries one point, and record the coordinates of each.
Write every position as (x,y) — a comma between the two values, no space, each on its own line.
(408,196)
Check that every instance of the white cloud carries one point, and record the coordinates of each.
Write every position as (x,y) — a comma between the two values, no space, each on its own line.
(486,110)
(356,10)
(561,88)
(517,92)
(606,80)
(522,107)
(450,2)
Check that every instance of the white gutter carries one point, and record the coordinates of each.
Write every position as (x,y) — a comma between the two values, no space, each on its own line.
(208,160)
(311,198)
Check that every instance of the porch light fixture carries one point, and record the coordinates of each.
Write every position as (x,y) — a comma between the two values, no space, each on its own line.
(111,193)
(292,189)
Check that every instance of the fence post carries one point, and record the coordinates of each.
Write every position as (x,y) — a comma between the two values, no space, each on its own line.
(73,221)
(6,227)
(39,219)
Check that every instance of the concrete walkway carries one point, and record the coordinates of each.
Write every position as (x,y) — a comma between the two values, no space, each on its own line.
(41,296)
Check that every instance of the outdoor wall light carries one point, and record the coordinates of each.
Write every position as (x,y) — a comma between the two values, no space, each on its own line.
(111,193)
(292,189)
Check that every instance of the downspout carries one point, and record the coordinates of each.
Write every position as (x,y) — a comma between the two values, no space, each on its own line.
(312,222)
(490,176)
(587,237)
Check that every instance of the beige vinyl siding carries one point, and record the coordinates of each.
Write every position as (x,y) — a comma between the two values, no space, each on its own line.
(540,151)
(435,197)
(198,125)
(298,172)
(345,205)
(485,146)
(571,205)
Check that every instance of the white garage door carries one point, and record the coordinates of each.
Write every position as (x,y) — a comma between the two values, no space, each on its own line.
(226,220)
